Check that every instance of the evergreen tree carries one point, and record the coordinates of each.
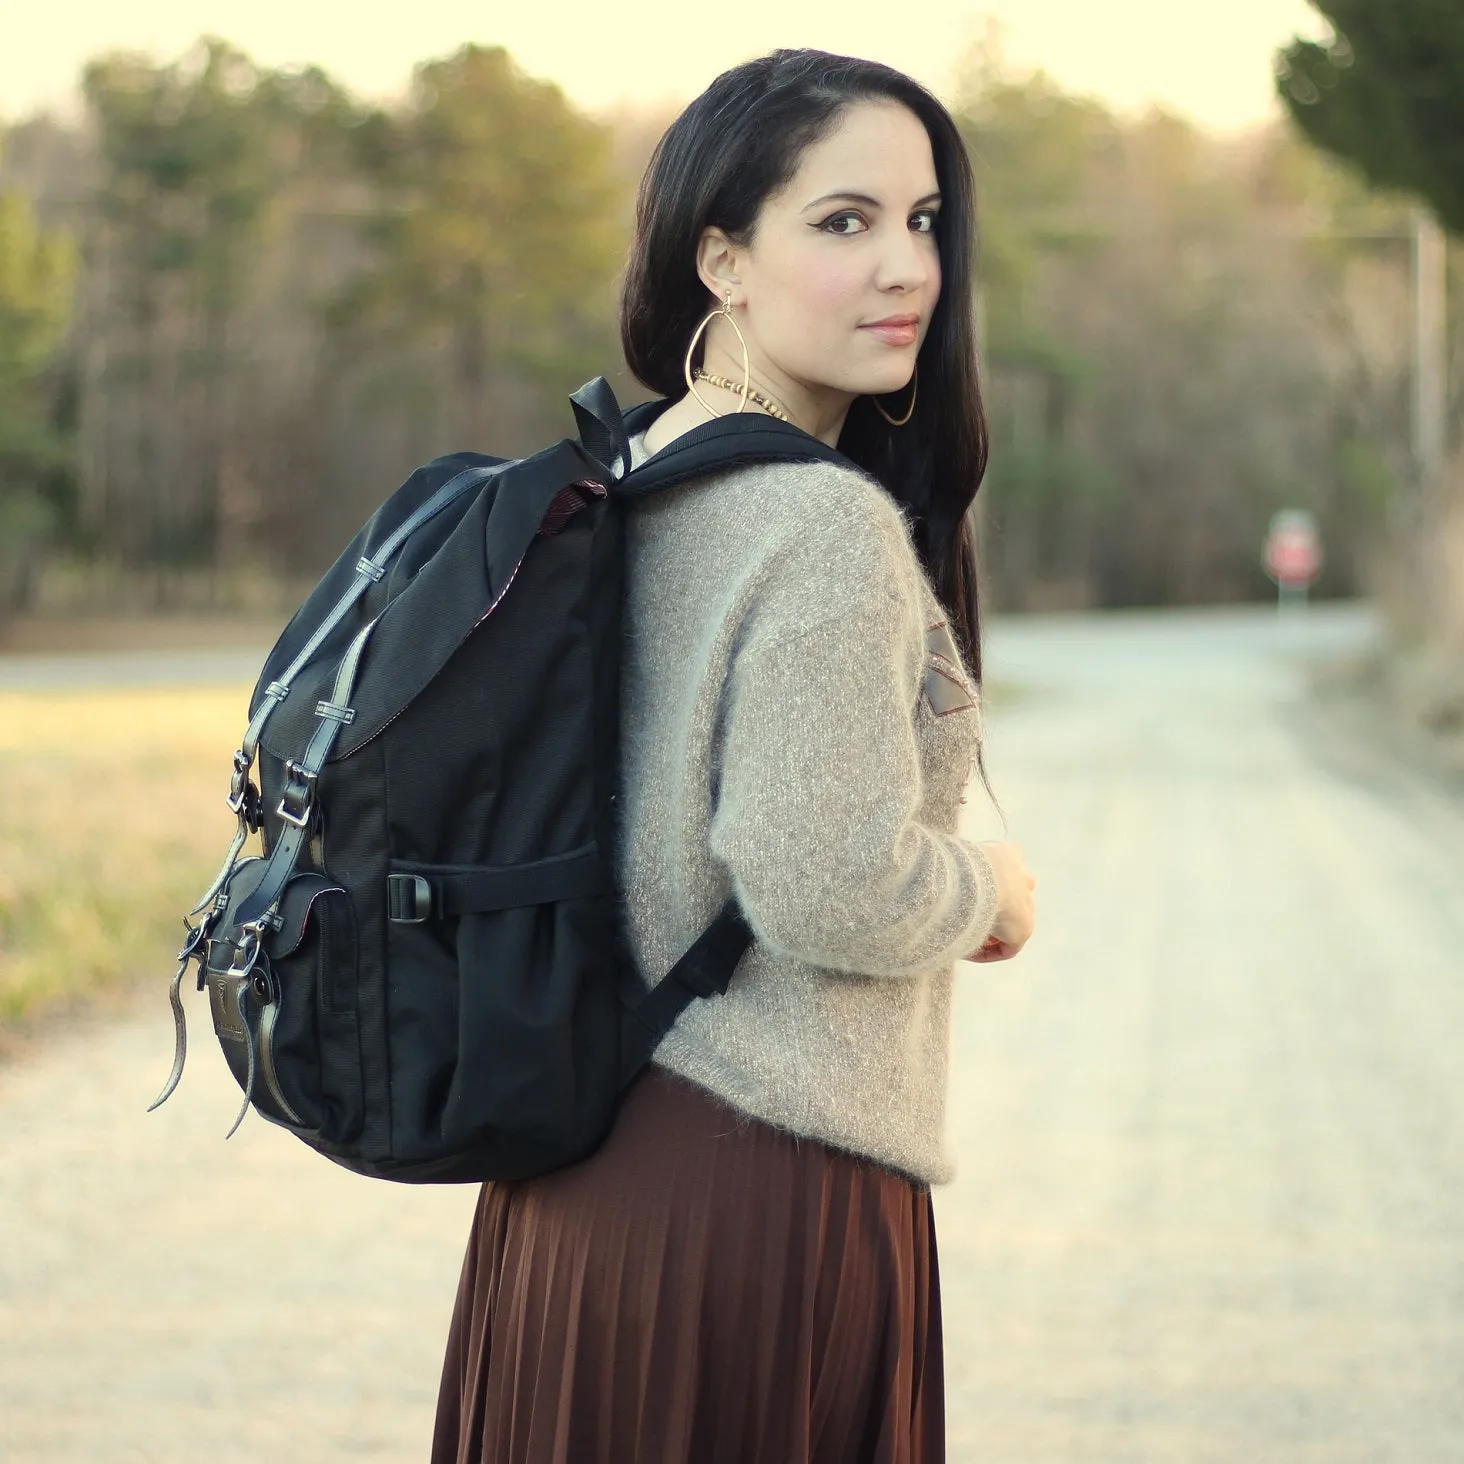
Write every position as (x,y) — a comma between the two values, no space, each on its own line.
(1386,95)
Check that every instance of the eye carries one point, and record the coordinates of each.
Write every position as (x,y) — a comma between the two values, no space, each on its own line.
(930,216)
(828,223)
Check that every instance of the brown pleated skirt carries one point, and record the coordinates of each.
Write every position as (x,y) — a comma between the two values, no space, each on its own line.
(703,1289)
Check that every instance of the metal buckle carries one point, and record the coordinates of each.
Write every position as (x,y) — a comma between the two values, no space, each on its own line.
(408,899)
(246,953)
(298,796)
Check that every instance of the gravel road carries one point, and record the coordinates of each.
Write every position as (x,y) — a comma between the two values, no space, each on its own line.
(1210,1127)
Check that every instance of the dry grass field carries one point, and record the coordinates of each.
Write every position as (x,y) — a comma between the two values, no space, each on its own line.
(112,822)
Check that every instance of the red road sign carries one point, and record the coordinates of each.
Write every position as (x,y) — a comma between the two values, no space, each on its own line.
(1293,554)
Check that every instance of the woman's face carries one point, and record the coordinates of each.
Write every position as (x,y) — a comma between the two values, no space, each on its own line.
(848,243)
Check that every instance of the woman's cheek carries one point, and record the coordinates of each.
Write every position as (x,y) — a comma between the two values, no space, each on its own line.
(834,288)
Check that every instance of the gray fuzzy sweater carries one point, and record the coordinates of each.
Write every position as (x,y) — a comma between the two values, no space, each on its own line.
(798,729)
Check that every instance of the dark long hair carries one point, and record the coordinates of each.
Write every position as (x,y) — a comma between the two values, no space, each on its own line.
(738,143)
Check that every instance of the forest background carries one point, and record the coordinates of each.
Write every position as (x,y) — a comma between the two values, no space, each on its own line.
(238,305)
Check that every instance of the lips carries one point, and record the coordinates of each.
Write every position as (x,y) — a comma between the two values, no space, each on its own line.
(897,330)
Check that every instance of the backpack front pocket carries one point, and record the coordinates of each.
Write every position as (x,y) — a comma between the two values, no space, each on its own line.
(286,1019)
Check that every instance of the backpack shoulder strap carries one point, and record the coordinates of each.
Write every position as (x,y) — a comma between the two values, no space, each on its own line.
(739,437)
(705,969)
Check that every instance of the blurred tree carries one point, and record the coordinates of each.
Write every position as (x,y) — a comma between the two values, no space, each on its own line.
(1036,153)
(193,155)
(498,232)
(35,300)
(1160,373)
(288,300)
(1385,94)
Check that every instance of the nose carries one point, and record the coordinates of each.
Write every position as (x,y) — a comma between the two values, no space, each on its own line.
(909,261)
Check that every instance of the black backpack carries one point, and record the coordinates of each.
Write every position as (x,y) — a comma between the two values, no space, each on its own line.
(423,976)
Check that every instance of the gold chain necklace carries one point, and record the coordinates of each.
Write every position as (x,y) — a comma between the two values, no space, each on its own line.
(750,393)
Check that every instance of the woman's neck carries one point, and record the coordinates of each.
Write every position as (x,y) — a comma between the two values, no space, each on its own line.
(681,416)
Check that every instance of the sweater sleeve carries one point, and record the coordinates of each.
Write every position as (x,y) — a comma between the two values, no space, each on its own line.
(816,810)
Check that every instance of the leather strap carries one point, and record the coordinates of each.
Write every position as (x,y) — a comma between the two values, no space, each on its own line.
(286,852)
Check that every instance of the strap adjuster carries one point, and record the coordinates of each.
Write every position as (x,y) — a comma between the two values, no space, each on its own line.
(408,899)
(298,795)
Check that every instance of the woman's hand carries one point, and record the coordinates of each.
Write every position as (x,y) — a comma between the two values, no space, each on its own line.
(1015,913)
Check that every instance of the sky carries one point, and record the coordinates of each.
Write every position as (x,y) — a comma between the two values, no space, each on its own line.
(1211,62)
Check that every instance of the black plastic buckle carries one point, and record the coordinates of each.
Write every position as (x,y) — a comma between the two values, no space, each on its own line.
(298,797)
(239,784)
(408,899)
(243,798)
(249,807)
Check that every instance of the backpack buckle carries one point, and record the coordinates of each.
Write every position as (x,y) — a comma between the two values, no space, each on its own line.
(298,795)
(408,899)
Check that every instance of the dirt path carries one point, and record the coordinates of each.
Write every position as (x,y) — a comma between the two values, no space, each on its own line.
(1212,1198)
(167,1297)
(1211,1130)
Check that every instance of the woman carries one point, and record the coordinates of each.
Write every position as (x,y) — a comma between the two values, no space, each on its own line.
(746,1269)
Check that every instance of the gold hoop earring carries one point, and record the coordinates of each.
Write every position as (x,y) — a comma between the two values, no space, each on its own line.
(725,310)
(914,387)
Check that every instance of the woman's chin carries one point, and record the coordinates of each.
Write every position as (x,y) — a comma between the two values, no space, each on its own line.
(887,384)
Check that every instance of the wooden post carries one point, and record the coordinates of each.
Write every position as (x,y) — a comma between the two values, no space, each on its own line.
(1430,386)
(1430,349)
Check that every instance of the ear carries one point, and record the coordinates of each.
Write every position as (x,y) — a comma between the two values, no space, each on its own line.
(717,260)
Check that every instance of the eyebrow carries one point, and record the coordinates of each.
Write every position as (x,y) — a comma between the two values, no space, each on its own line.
(865,199)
